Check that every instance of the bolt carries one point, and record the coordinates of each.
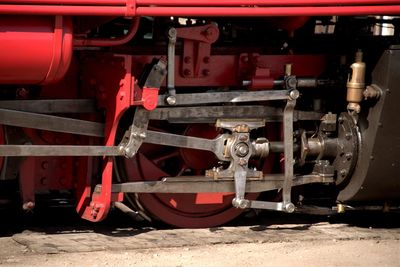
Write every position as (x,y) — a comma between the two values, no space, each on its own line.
(243,138)
(242,149)
(291,82)
(45,165)
(348,136)
(171,100)
(142,135)
(349,156)
(187,60)
(242,162)
(28,206)
(289,207)
(240,203)
(343,173)
(187,72)
(294,94)
(172,33)
(206,72)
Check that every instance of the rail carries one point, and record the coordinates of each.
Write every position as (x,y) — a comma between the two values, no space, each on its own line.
(200,7)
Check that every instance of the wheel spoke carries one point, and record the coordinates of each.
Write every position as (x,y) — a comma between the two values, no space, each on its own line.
(163,157)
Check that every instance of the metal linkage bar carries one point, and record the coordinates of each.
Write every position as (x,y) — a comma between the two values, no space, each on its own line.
(198,184)
(51,123)
(288,152)
(49,106)
(54,150)
(209,114)
(226,97)
(214,145)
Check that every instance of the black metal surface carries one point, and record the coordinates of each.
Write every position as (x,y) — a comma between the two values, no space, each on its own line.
(377,174)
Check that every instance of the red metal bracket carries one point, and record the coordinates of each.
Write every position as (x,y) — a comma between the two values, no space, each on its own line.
(116,100)
(130,8)
(197,49)
(146,97)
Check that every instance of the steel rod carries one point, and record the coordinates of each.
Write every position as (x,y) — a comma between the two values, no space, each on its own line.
(54,150)
(51,123)
(196,184)
(49,106)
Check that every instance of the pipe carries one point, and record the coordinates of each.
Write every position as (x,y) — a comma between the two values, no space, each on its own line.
(269,11)
(111,42)
(263,2)
(206,2)
(68,2)
(64,10)
(130,10)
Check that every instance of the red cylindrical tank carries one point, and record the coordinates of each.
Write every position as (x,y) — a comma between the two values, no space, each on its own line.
(33,49)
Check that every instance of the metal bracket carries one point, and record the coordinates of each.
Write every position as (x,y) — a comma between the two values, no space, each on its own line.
(134,137)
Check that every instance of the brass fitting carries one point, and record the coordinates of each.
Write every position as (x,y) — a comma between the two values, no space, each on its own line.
(341,208)
(356,84)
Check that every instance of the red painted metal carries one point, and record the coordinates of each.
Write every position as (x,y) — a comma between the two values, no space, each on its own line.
(134,8)
(68,2)
(267,11)
(34,50)
(110,42)
(67,10)
(228,3)
(262,79)
(112,80)
(231,70)
(146,97)
(197,49)
(27,183)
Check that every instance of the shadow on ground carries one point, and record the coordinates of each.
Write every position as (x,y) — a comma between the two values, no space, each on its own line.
(64,220)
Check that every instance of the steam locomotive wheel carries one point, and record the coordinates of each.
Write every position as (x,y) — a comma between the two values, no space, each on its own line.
(154,162)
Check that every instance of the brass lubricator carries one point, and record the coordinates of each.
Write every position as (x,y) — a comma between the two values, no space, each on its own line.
(356,84)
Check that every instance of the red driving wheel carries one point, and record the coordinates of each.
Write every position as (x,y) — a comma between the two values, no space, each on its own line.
(188,210)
